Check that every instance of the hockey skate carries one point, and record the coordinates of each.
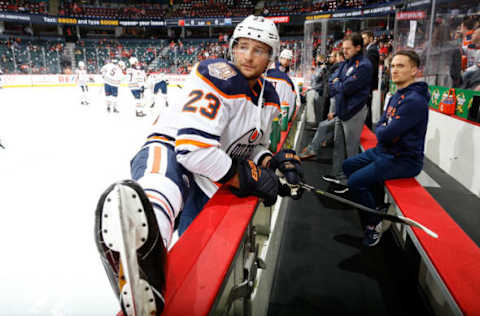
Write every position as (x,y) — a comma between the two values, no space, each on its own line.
(115,110)
(140,113)
(131,248)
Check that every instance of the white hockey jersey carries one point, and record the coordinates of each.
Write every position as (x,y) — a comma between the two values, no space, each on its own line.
(136,78)
(216,119)
(150,81)
(82,76)
(112,74)
(285,89)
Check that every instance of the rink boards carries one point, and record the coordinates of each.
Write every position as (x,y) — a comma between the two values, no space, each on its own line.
(27,81)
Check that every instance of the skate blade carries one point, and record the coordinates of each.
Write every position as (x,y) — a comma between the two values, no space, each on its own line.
(125,230)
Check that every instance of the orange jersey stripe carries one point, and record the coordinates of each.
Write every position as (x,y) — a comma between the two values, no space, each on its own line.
(157,154)
(180,142)
(158,138)
(165,206)
(273,104)
(235,96)
(280,79)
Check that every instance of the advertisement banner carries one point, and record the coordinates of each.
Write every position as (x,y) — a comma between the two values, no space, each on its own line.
(46,19)
(464,99)
(14,17)
(279,19)
(15,81)
(200,22)
(411,15)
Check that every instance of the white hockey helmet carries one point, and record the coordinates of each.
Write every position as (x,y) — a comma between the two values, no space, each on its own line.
(121,63)
(260,29)
(133,61)
(81,64)
(287,54)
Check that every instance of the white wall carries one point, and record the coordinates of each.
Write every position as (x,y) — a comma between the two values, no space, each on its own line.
(454,146)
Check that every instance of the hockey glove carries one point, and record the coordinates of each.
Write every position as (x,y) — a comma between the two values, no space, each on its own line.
(289,167)
(258,181)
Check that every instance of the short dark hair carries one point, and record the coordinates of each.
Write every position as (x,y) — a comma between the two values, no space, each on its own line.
(412,56)
(355,38)
(369,34)
(468,22)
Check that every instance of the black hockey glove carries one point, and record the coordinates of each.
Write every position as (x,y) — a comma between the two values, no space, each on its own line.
(289,165)
(258,181)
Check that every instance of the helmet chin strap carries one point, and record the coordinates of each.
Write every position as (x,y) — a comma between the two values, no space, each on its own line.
(260,102)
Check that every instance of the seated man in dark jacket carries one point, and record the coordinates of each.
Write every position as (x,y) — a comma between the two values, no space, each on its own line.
(401,141)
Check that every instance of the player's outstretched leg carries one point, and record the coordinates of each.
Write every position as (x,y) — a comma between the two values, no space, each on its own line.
(131,248)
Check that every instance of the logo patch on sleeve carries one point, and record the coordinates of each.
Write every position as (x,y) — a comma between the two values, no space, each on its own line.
(221,70)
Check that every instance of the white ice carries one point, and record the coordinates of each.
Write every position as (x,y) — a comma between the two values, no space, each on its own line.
(59,157)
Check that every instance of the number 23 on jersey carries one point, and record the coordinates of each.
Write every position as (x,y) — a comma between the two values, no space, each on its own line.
(196,101)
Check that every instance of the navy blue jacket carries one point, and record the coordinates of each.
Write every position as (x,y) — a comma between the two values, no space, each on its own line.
(402,128)
(353,87)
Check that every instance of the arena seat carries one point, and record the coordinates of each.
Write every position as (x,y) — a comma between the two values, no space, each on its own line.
(31,6)
(454,257)
(154,54)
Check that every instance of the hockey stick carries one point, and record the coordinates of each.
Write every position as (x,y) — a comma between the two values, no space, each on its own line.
(392,218)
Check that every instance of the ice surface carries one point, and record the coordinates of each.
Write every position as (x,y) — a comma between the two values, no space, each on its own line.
(59,157)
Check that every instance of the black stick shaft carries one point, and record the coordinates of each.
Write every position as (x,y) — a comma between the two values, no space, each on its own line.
(390,217)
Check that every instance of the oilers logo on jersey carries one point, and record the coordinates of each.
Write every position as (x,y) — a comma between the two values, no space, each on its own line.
(244,146)
(255,135)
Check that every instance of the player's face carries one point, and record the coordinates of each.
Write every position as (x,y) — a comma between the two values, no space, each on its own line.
(251,57)
(403,71)
(284,62)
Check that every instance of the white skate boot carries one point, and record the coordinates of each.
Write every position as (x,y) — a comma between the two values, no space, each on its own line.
(131,248)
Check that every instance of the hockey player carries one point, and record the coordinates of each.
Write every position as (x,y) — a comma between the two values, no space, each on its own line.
(156,83)
(284,60)
(81,80)
(161,86)
(112,74)
(282,82)
(136,83)
(217,133)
